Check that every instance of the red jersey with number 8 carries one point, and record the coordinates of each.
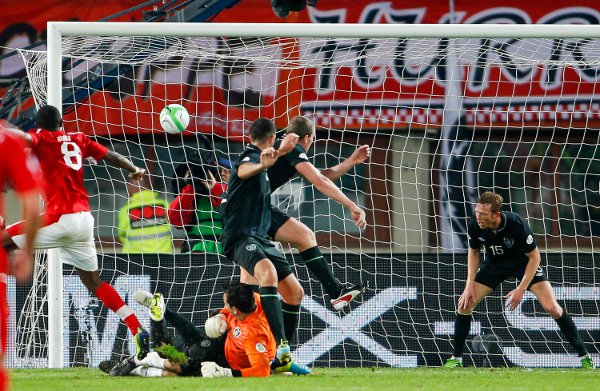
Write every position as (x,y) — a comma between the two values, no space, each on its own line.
(61,159)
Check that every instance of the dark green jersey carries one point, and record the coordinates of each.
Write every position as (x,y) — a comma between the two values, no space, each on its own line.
(509,245)
(246,209)
(284,168)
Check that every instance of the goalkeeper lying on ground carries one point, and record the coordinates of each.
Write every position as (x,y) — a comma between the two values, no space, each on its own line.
(235,342)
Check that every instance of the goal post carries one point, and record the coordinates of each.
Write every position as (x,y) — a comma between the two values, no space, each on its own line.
(448,110)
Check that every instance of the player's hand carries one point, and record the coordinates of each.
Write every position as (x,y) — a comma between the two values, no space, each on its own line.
(210,182)
(360,218)
(288,143)
(211,369)
(268,157)
(361,154)
(467,297)
(22,266)
(215,326)
(514,298)
(138,174)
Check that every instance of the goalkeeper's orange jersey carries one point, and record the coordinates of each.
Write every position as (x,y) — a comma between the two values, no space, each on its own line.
(250,346)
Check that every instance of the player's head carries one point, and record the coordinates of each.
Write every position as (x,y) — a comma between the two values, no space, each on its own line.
(487,210)
(304,128)
(48,117)
(262,131)
(239,299)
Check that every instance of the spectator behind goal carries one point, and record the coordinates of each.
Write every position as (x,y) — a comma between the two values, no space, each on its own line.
(143,224)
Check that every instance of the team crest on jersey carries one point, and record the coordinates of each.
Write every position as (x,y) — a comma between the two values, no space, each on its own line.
(251,247)
(509,242)
(260,348)
(206,343)
(246,159)
(529,239)
(237,332)
(303,156)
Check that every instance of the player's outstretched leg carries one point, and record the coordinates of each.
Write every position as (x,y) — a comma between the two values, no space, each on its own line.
(155,304)
(284,362)
(347,295)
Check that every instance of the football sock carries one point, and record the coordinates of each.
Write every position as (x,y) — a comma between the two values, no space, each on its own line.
(152,359)
(462,326)
(146,372)
(568,328)
(291,316)
(109,296)
(272,307)
(255,288)
(315,262)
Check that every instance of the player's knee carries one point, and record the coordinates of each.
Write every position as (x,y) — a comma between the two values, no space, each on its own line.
(554,310)
(297,294)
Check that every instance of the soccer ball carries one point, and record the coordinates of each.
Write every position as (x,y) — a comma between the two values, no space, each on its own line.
(174,118)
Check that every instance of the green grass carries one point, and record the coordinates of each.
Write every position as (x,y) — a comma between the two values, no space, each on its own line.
(426,379)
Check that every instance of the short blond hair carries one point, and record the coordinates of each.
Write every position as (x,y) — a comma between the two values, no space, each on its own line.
(301,126)
(493,199)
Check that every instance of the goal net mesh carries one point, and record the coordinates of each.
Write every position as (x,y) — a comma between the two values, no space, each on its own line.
(446,119)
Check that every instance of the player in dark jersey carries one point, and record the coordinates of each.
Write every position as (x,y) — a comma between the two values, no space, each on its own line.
(511,251)
(246,214)
(289,230)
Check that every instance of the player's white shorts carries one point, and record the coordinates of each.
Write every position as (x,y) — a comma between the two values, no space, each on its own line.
(73,234)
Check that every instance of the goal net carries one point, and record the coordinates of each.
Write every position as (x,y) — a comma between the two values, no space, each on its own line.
(448,111)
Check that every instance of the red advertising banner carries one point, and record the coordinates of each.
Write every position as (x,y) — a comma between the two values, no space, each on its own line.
(356,94)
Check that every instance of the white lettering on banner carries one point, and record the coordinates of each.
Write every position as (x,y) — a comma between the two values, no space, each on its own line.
(341,328)
(99,348)
(77,298)
(522,321)
(536,360)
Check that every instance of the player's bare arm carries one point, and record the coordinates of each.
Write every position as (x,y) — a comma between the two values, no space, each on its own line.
(288,143)
(22,260)
(360,155)
(468,296)
(514,297)
(328,188)
(268,157)
(118,160)
(17,132)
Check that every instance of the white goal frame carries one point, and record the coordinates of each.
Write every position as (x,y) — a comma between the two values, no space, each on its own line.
(57,30)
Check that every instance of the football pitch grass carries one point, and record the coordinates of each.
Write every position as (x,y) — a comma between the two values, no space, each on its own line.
(376,379)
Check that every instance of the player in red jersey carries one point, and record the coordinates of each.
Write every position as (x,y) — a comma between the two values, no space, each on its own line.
(21,172)
(68,223)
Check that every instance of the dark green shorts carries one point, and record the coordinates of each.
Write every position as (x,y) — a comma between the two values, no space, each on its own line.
(247,251)
(278,218)
(492,275)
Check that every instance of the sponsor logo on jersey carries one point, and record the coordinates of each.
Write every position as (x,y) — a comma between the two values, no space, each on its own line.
(529,239)
(303,156)
(251,247)
(260,348)
(237,332)
(509,242)
(206,343)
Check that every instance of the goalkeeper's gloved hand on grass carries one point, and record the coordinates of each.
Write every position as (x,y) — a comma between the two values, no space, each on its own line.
(211,369)
(215,326)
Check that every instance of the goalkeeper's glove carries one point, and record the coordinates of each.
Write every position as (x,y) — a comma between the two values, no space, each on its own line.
(215,326)
(211,369)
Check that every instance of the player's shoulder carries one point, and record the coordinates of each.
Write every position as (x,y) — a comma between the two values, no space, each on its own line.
(513,218)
